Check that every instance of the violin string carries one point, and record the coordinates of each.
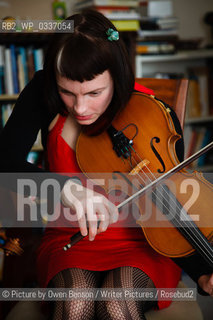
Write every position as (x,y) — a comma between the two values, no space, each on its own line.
(176,203)
(196,234)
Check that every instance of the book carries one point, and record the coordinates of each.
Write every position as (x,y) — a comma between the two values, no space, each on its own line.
(206,139)
(193,107)
(20,73)
(118,3)
(6,110)
(187,134)
(162,8)
(14,69)
(121,15)
(23,55)
(8,79)
(191,144)
(38,59)
(204,97)
(201,74)
(157,33)
(30,62)
(126,25)
(198,144)
(157,23)
(2,86)
(154,48)
(22,67)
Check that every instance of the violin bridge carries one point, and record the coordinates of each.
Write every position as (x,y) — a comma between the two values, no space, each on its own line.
(139,167)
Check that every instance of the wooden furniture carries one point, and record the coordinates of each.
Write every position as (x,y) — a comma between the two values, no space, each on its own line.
(173,92)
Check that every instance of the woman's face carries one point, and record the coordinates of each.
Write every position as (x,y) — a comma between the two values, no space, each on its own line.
(88,100)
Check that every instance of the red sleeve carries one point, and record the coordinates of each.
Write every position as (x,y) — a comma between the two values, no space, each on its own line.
(143,89)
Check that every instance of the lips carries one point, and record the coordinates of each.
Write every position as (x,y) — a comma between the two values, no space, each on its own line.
(82,117)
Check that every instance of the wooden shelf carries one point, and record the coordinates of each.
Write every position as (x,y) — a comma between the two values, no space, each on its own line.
(166,62)
(182,55)
(8,97)
(199,120)
(25,38)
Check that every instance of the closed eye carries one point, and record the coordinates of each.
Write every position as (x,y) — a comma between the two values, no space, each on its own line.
(95,93)
(65,92)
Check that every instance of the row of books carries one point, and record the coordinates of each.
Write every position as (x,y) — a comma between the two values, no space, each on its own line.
(158,33)
(199,96)
(195,138)
(198,102)
(6,110)
(122,14)
(81,4)
(157,19)
(17,66)
(155,47)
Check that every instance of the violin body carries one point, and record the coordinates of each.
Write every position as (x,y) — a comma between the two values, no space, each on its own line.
(152,154)
(95,153)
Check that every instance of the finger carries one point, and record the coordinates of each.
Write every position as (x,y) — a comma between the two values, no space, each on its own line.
(103,217)
(113,211)
(211,280)
(83,226)
(81,217)
(92,220)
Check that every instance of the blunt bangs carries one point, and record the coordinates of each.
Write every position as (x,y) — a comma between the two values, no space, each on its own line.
(81,59)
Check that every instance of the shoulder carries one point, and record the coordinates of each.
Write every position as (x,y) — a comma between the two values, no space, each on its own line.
(31,101)
(39,75)
(38,79)
(34,89)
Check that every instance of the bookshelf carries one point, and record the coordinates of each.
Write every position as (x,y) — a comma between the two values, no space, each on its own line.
(172,62)
(198,129)
(8,97)
(29,237)
(199,120)
(25,68)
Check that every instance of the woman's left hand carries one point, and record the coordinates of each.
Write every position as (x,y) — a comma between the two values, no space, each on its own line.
(206,283)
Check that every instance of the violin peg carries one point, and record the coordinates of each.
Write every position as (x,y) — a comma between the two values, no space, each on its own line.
(13,247)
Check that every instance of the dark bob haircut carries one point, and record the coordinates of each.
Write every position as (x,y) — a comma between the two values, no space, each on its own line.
(81,56)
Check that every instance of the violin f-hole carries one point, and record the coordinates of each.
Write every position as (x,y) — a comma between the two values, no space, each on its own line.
(157,140)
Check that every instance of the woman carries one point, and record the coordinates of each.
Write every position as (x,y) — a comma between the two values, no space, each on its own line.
(87,79)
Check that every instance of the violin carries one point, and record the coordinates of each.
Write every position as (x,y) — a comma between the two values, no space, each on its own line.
(9,245)
(141,143)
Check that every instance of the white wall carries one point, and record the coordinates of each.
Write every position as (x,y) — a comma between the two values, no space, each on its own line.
(191,13)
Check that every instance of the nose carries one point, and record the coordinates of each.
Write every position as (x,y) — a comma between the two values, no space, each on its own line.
(80,106)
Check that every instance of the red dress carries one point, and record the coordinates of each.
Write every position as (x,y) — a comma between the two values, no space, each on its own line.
(116,247)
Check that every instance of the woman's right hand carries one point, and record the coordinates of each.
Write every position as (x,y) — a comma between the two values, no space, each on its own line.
(90,207)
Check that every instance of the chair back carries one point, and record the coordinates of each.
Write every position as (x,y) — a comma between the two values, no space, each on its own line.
(171,91)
